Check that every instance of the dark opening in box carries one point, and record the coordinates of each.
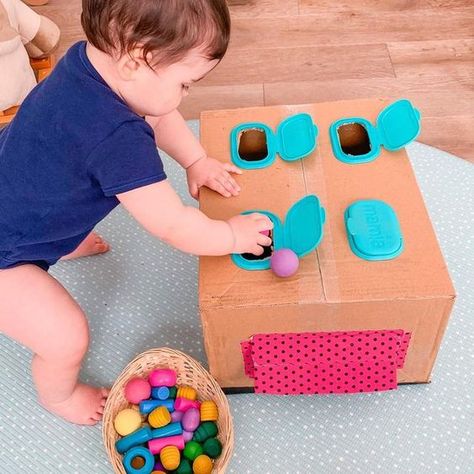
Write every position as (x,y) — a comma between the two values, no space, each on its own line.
(267,252)
(354,139)
(253,145)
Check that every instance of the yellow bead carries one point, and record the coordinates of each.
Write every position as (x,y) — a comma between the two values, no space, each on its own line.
(186,392)
(158,472)
(159,417)
(127,421)
(170,457)
(209,411)
(202,465)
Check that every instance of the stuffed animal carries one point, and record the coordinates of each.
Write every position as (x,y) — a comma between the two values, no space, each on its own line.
(23,35)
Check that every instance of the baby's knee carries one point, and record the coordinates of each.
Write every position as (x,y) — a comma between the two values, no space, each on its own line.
(71,341)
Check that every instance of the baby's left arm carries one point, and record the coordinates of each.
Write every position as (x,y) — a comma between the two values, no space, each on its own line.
(175,138)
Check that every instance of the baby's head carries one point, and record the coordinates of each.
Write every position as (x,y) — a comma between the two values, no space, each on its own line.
(154,50)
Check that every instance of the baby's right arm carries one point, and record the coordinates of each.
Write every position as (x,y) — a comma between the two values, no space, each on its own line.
(160,211)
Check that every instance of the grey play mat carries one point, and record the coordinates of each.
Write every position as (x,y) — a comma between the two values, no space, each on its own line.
(143,294)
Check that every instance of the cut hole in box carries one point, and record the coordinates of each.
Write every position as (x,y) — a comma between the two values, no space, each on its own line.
(253,145)
(267,252)
(354,139)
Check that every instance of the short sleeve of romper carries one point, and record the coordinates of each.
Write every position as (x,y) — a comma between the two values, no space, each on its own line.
(126,159)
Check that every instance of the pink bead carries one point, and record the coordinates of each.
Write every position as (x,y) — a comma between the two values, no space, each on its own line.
(191,419)
(176,416)
(162,378)
(136,390)
(284,263)
(188,436)
(157,444)
(184,404)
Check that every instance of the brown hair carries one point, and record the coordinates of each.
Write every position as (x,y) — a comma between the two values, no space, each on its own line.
(166,28)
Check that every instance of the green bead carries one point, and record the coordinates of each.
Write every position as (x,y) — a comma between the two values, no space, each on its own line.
(192,450)
(212,447)
(206,430)
(173,391)
(184,467)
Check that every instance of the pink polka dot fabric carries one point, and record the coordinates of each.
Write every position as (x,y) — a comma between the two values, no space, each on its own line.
(325,362)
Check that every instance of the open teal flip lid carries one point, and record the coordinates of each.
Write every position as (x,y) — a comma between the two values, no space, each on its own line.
(296,137)
(301,232)
(398,124)
(373,230)
(303,228)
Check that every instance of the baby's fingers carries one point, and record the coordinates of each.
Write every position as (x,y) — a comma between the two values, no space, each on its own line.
(220,188)
(232,169)
(228,180)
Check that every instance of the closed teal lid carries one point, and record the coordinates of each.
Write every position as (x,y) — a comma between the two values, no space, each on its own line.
(398,124)
(373,230)
(303,227)
(296,137)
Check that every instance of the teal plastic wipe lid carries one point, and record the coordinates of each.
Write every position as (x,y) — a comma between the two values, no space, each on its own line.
(373,230)
(296,137)
(398,124)
(303,227)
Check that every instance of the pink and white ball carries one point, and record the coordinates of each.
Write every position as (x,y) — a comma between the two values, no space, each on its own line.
(284,263)
(137,390)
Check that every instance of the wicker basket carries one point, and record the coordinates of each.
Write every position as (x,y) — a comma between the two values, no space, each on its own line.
(189,372)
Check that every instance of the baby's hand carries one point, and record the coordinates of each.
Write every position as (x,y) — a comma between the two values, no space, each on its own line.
(213,174)
(248,235)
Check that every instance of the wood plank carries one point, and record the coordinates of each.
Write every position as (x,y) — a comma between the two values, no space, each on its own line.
(450,58)
(305,63)
(442,97)
(220,97)
(262,8)
(308,7)
(359,28)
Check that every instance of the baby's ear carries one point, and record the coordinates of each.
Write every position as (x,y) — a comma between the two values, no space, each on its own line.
(129,63)
(46,39)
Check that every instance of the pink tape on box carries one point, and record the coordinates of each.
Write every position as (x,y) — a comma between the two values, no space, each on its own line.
(325,362)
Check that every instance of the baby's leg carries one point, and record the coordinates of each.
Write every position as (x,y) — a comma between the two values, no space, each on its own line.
(38,312)
(93,244)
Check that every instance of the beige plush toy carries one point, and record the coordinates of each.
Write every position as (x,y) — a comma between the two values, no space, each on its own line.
(23,35)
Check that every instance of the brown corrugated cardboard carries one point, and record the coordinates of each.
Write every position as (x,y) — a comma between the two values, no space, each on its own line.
(334,290)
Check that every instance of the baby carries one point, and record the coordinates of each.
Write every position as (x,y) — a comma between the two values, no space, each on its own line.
(83,142)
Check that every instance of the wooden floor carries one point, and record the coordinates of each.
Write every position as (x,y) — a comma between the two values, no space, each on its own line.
(297,51)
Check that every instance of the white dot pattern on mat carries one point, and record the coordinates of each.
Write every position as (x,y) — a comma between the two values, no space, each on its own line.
(143,294)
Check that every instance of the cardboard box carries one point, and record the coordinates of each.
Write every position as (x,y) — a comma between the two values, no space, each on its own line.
(334,290)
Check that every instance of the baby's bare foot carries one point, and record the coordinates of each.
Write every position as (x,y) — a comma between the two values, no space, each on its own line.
(93,244)
(85,406)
